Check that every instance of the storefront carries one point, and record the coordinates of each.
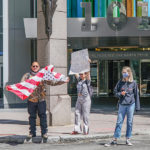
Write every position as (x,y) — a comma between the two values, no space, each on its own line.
(107,65)
(111,49)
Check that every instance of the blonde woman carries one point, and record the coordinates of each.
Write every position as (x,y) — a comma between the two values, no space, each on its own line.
(127,92)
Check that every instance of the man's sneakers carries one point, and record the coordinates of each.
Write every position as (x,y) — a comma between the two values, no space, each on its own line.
(45,136)
(128,142)
(31,135)
(113,142)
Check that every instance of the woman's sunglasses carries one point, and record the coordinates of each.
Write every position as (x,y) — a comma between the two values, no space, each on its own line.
(35,66)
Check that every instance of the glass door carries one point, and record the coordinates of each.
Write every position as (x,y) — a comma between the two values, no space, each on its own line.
(94,76)
(114,73)
(103,78)
(145,78)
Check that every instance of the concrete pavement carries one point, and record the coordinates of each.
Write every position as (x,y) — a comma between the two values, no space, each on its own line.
(14,126)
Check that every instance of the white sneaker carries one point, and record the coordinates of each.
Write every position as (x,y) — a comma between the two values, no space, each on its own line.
(113,142)
(128,142)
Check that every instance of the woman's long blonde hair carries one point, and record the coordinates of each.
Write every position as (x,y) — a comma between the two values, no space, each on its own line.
(128,69)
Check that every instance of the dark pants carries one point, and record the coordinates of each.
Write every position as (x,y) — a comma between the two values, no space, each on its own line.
(33,109)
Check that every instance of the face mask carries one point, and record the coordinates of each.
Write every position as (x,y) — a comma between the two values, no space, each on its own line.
(125,75)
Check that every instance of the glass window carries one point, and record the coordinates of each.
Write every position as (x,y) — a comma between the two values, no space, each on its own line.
(135,64)
(1,15)
(103,73)
(145,78)
(94,72)
(1,10)
(34,8)
(1,42)
(1,49)
(1,25)
(99,8)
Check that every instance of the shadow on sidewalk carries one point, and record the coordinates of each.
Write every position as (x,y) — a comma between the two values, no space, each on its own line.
(112,110)
(9,121)
(21,139)
(60,132)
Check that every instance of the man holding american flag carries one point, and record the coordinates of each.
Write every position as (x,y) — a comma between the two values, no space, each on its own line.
(32,86)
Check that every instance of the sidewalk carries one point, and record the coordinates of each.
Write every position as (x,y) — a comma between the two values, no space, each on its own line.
(14,126)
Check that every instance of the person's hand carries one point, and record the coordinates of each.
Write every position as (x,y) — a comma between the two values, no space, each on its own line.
(79,94)
(87,73)
(89,60)
(123,93)
(68,79)
(6,88)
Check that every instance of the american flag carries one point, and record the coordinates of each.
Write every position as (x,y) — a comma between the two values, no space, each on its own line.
(25,89)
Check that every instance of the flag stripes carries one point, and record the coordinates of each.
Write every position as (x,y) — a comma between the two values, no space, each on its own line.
(27,87)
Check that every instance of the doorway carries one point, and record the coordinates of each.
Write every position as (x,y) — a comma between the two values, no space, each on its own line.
(114,73)
(109,73)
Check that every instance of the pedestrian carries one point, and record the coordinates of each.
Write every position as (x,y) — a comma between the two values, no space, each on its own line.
(37,102)
(83,104)
(128,93)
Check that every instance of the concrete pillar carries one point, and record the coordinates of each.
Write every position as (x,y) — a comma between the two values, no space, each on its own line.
(54,51)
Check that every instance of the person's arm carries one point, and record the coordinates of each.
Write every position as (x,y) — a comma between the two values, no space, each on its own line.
(137,99)
(88,76)
(77,76)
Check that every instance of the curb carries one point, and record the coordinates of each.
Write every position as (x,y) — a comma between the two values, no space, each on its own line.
(53,139)
(20,139)
(83,138)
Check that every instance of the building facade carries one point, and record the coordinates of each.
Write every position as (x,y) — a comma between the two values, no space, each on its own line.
(119,36)
(116,32)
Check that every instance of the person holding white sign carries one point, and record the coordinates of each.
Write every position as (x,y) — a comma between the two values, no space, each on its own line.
(83,104)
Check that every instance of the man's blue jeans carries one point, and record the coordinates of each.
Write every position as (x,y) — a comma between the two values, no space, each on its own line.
(124,110)
(40,109)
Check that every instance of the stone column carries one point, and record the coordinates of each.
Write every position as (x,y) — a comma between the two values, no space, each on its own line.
(54,51)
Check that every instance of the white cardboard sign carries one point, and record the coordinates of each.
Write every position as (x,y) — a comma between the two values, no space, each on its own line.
(79,62)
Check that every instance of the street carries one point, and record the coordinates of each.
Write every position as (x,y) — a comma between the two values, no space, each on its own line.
(141,142)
